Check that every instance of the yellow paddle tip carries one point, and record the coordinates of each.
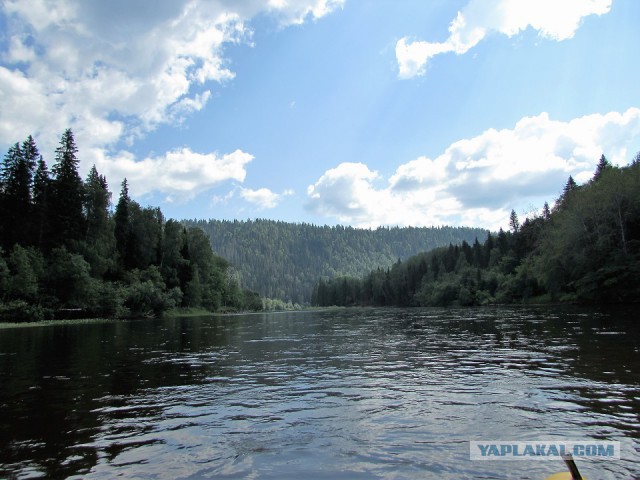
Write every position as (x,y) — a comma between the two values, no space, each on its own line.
(562,476)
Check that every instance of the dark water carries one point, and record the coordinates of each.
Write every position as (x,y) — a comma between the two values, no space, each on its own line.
(346,394)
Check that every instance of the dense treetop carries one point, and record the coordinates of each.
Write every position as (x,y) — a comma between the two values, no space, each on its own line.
(63,251)
(586,249)
(284,260)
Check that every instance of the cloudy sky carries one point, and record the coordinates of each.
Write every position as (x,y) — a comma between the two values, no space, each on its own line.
(359,112)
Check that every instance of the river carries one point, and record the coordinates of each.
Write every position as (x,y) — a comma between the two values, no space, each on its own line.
(356,393)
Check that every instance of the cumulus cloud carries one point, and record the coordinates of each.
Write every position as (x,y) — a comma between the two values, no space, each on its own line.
(263,198)
(180,174)
(115,70)
(477,181)
(479,18)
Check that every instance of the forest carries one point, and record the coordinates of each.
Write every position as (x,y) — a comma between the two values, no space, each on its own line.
(585,249)
(65,252)
(283,261)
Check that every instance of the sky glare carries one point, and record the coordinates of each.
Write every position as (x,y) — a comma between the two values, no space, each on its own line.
(358,112)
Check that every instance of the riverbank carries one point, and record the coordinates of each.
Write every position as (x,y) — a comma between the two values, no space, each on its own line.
(48,323)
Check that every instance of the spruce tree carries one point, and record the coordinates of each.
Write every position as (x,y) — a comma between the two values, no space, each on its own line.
(40,225)
(603,164)
(99,245)
(122,227)
(17,181)
(569,187)
(514,223)
(7,197)
(67,194)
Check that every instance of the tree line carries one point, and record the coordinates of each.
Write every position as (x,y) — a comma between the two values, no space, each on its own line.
(584,249)
(283,261)
(64,250)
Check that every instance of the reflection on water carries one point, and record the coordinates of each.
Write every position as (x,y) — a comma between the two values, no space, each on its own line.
(333,394)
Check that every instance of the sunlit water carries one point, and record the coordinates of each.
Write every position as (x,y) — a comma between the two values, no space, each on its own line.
(334,394)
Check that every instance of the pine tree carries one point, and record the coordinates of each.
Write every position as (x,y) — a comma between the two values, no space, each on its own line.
(7,197)
(67,194)
(122,228)
(569,187)
(603,164)
(41,183)
(17,181)
(96,204)
(99,245)
(514,223)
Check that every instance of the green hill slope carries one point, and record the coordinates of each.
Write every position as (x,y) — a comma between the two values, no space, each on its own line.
(586,249)
(284,260)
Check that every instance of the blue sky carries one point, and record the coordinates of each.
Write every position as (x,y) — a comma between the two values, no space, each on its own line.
(356,112)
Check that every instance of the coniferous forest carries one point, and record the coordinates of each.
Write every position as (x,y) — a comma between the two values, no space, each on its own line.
(283,261)
(585,249)
(64,251)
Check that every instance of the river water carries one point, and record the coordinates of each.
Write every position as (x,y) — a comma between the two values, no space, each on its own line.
(362,393)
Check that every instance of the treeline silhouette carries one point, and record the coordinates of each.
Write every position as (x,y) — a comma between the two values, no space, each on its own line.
(65,252)
(585,249)
(283,260)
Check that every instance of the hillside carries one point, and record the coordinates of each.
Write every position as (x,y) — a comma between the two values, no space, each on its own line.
(284,260)
(586,249)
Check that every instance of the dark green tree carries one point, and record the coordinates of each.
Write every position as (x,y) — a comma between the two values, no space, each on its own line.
(67,195)
(17,184)
(570,187)
(41,225)
(122,227)
(603,165)
(514,223)
(99,245)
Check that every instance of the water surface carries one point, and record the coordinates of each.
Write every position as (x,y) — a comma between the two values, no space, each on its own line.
(363,393)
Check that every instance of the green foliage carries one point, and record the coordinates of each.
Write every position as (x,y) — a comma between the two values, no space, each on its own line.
(282,260)
(66,195)
(587,249)
(25,266)
(72,256)
(20,311)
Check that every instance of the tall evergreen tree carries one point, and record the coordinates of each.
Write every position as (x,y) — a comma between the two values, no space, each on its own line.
(514,223)
(122,228)
(546,212)
(99,247)
(17,180)
(569,187)
(40,225)
(67,194)
(603,164)
(7,188)
(96,204)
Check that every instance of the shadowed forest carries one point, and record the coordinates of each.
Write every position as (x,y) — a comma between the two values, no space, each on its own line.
(281,260)
(585,249)
(65,251)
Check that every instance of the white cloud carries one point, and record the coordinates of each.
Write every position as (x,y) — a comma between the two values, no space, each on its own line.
(296,12)
(115,70)
(477,181)
(550,18)
(263,198)
(181,174)
(133,66)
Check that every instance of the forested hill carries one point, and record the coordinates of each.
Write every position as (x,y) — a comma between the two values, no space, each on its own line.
(585,249)
(284,260)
